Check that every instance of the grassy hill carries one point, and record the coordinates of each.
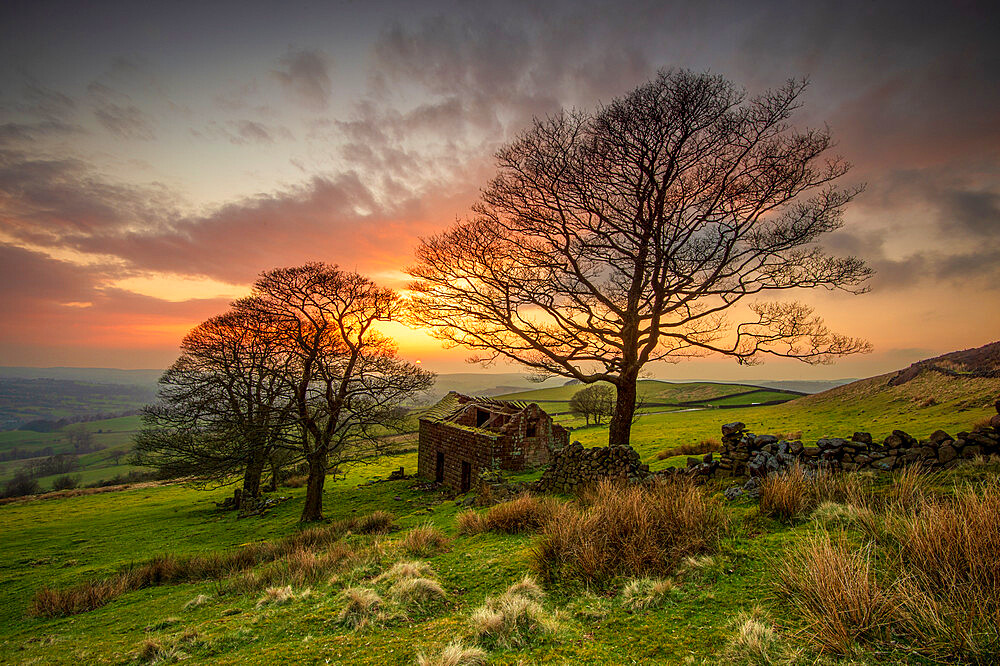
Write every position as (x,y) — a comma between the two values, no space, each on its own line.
(703,617)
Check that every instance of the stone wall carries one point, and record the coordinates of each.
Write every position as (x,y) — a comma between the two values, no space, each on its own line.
(575,466)
(747,454)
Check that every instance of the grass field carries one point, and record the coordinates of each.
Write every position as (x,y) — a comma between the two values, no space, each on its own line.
(62,542)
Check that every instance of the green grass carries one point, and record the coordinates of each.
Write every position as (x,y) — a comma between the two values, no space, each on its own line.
(649,391)
(65,541)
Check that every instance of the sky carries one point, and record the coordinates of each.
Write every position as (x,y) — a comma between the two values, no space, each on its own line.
(156,157)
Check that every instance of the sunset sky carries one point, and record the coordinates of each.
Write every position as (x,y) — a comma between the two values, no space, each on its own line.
(154,160)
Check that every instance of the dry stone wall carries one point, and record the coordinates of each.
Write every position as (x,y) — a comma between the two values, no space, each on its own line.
(747,454)
(575,466)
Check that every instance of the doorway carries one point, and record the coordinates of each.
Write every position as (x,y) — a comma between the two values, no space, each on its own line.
(439,468)
(466,476)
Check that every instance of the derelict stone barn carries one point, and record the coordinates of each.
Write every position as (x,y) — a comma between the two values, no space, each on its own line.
(462,436)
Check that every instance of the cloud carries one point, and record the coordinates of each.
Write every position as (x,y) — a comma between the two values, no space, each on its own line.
(115,112)
(303,74)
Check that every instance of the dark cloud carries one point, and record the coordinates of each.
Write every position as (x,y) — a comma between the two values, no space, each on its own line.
(304,75)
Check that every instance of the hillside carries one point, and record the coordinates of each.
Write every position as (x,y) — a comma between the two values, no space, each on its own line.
(661,393)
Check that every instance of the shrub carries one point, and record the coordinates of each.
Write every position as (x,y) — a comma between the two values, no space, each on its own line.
(66,482)
(424,541)
(642,593)
(833,587)
(470,522)
(524,514)
(455,654)
(710,445)
(20,485)
(628,531)
(362,606)
(417,592)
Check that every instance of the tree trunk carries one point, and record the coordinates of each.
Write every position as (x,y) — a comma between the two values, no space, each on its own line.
(275,473)
(251,475)
(313,509)
(620,429)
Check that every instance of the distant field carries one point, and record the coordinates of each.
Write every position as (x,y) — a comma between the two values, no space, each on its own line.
(115,435)
(649,390)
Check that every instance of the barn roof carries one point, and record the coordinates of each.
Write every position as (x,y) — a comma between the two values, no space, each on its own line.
(452,405)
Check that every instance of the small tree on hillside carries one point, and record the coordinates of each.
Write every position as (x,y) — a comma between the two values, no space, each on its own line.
(615,238)
(593,402)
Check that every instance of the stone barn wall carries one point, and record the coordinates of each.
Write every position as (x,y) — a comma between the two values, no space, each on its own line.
(458,445)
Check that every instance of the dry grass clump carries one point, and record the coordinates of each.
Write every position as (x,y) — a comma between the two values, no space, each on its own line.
(470,522)
(951,574)
(276,596)
(527,587)
(833,587)
(710,445)
(911,488)
(642,593)
(293,552)
(510,621)
(623,530)
(152,651)
(796,492)
(200,600)
(376,522)
(406,569)
(753,641)
(296,481)
(527,513)
(790,436)
(417,592)
(362,607)
(455,654)
(424,541)
(938,577)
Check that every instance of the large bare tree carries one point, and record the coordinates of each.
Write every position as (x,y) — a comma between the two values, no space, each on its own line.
(631,234)
(345,381)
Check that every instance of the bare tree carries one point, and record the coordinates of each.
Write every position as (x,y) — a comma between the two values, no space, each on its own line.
(631,234)
(593,402)
(222,405)
(345,380)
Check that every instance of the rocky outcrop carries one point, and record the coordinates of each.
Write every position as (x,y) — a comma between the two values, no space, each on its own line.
(747,454)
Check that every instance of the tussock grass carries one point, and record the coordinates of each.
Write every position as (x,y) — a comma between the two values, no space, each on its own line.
(419,593)
(299,565)
(362,607)
(510,621)
(709,445)
(424,541)
(950,574)
(833,587)
(642,593)
(753,641)
(406,569)
(796,492)
(276,596)
(455,654)
(527,513)
(376,522)
(619,530)
(527,587)
(470,522)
